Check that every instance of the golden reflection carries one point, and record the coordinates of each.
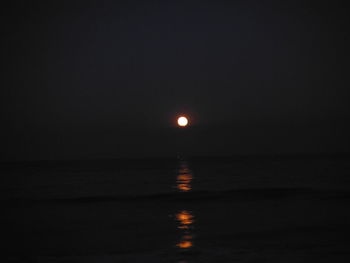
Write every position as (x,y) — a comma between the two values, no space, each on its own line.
(185,220)
(184,244)
(184,178)
(184,187)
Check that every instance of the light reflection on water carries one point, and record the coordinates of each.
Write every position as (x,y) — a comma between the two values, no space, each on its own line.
(184,178)
(185,218)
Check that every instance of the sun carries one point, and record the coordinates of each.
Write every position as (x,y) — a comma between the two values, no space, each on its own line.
(182,121)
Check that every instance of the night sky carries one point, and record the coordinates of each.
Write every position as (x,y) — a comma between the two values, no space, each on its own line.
(107,79)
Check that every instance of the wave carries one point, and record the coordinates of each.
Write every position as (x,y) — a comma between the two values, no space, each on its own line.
(198,196)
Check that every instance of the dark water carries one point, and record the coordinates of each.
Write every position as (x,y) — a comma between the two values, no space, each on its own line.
(293,209)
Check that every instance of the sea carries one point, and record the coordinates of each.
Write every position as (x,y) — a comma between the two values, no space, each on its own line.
(291,208)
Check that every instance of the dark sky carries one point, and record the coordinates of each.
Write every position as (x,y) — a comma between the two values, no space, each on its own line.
(95,79)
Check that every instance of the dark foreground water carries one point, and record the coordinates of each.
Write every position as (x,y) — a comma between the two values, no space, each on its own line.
(290,209)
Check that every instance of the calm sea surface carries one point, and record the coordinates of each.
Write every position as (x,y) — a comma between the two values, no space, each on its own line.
(200,210)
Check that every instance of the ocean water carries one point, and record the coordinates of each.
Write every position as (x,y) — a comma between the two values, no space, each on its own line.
(248,209)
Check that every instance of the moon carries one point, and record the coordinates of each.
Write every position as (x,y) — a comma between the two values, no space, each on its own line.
(182,121)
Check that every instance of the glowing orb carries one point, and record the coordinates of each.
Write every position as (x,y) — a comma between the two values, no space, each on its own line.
(182,121)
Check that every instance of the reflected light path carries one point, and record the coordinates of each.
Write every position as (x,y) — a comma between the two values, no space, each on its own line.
(184,218)
(185,244)
(184,178)
(185,221)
